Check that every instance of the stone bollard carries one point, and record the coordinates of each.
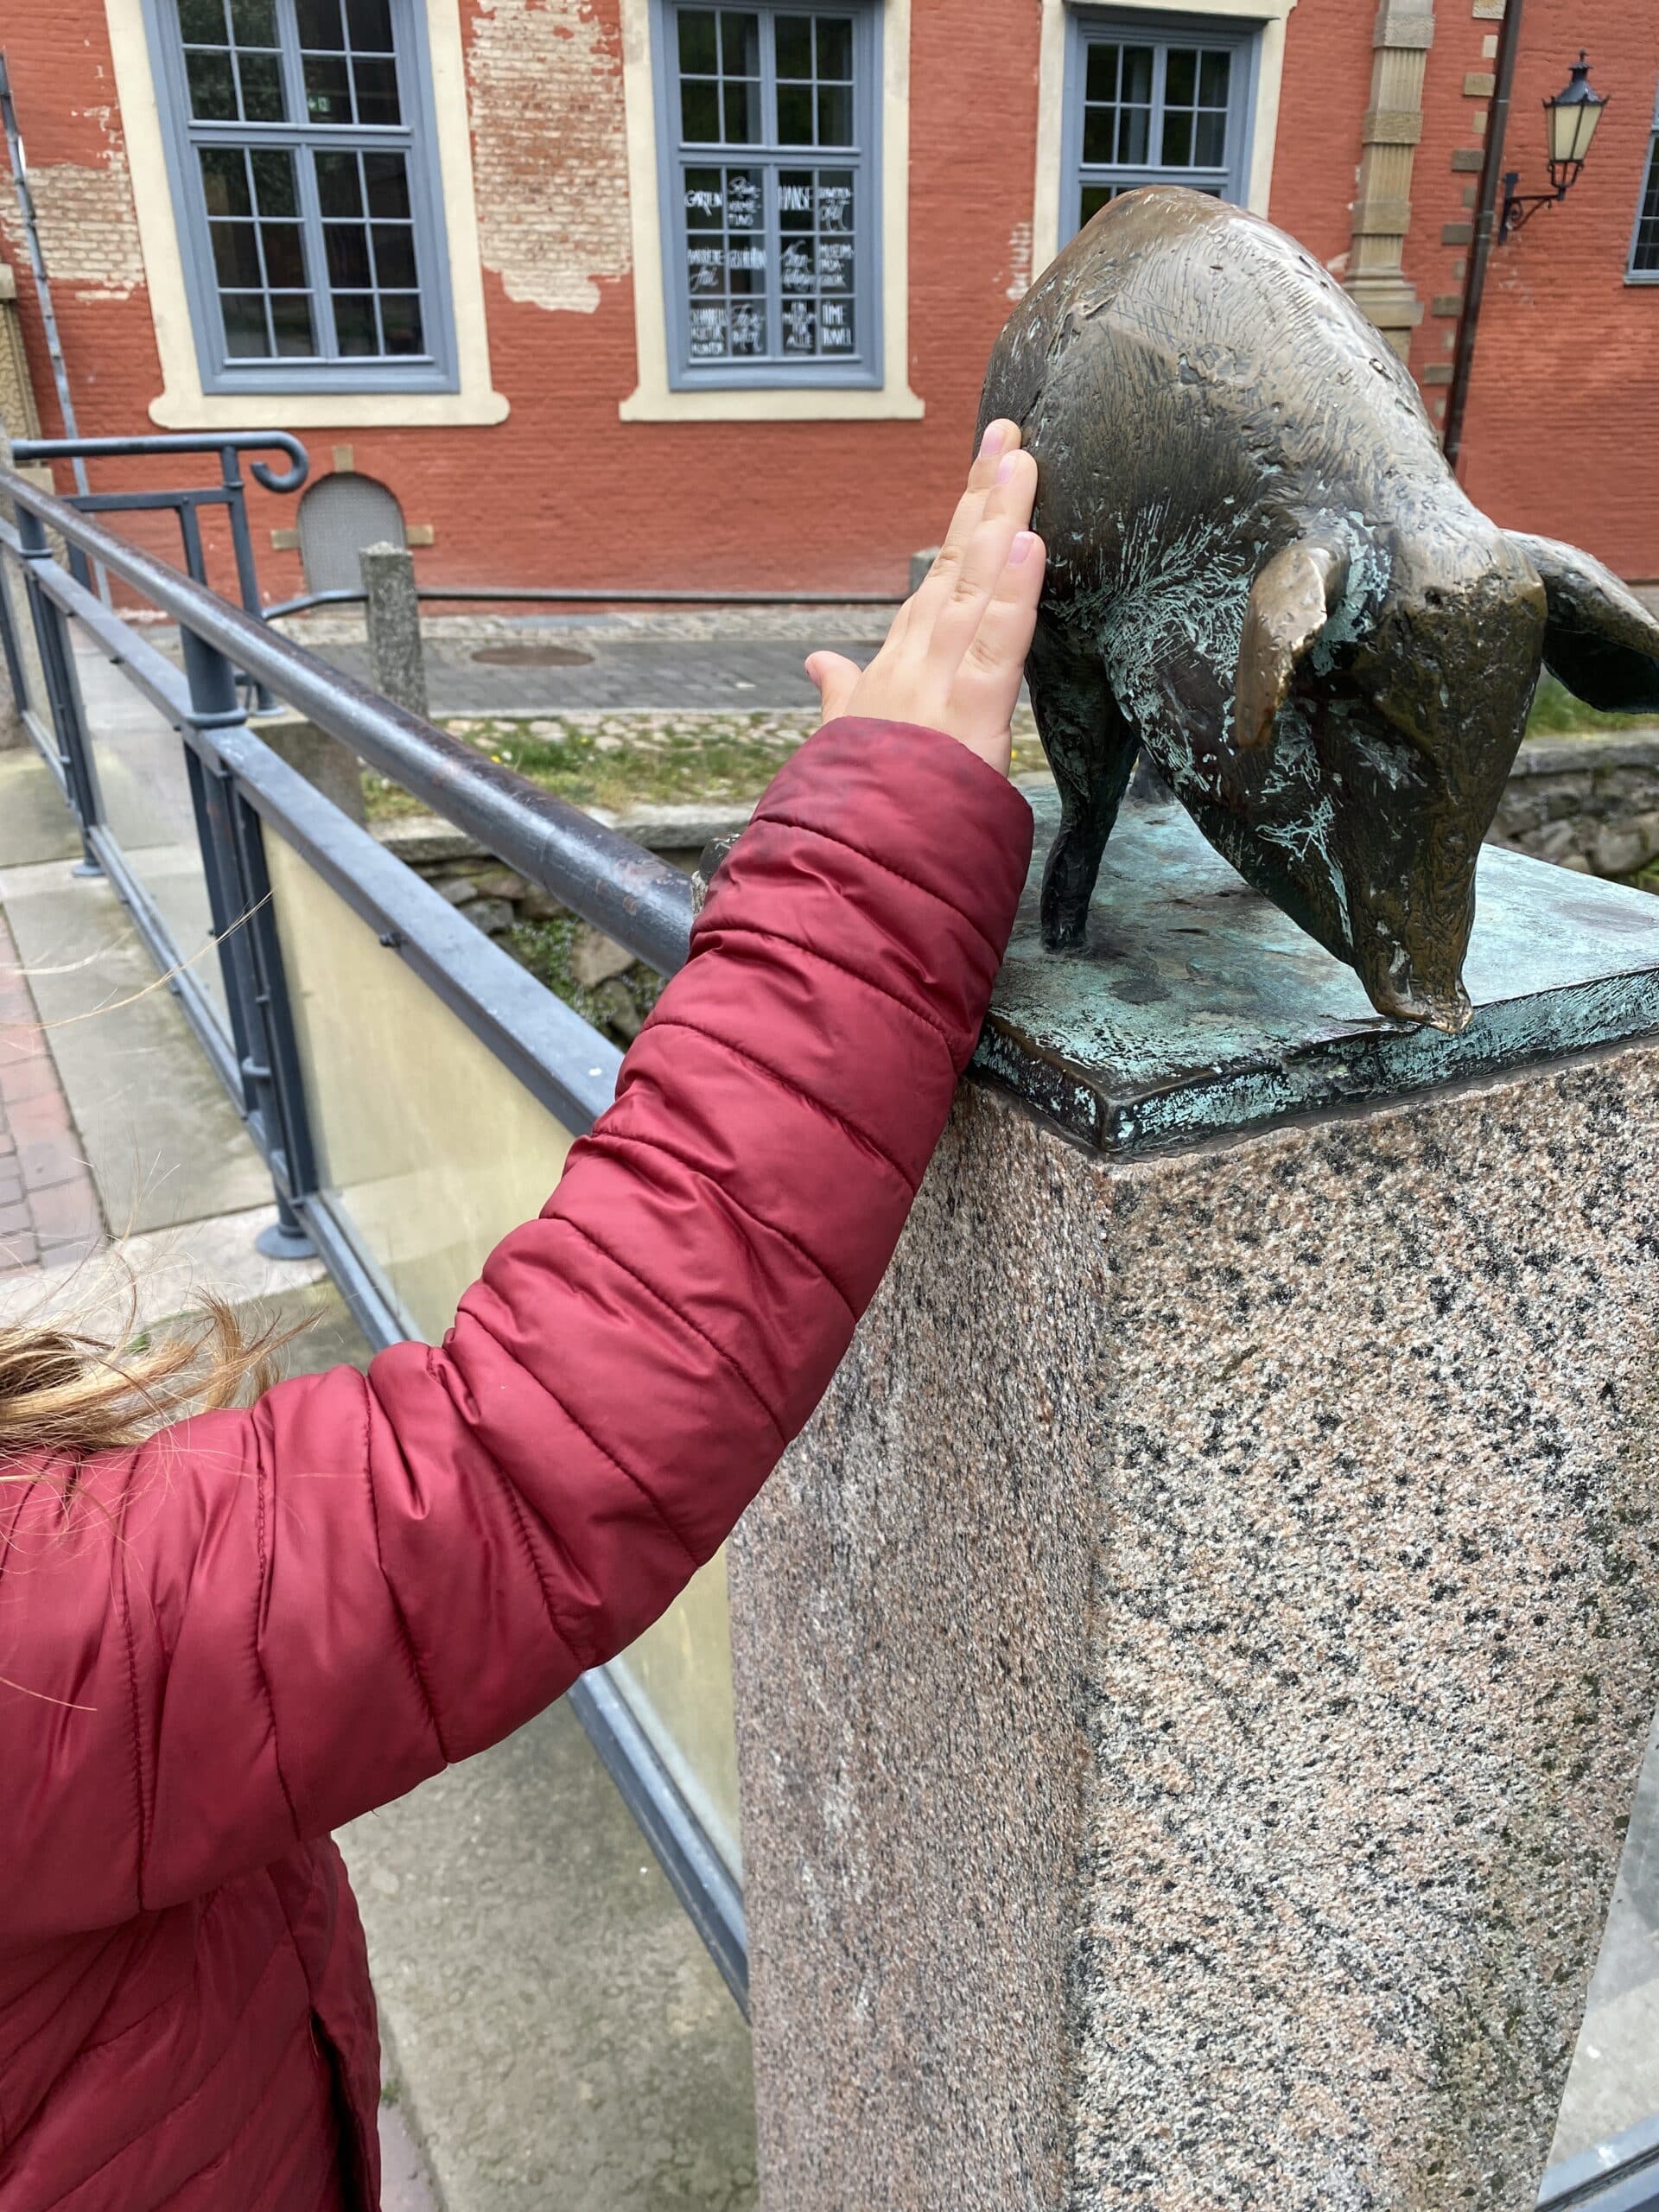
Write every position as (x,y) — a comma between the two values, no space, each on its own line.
(1192,1674)
(394,623)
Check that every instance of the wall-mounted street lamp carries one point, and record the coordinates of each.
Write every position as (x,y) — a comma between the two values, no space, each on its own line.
(1572,116)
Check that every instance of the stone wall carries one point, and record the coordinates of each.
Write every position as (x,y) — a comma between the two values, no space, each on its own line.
(600,977)
(1586,803)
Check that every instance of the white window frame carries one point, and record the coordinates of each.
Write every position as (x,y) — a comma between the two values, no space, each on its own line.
(1267,17)
(183,404)
(655,398)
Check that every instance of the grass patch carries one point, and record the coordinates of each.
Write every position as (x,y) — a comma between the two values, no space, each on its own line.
(622,762)
(1556,713)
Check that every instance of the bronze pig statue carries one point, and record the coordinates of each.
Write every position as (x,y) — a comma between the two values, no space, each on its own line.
(1262,571)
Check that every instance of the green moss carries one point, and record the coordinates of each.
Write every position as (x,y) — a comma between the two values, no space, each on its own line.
(617,1007)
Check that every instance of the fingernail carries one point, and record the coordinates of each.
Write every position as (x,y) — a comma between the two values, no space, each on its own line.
(1006,467)
(1024,548)
(994,440)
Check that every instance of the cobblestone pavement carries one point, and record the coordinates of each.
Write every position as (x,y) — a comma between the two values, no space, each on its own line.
(48,1210)
(615,672)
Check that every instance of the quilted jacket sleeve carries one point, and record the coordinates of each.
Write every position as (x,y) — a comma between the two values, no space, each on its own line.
(263,1624)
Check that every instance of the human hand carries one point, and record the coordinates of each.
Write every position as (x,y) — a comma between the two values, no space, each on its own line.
(955,655)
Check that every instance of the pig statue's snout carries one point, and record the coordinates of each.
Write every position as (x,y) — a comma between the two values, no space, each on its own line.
(1399,987)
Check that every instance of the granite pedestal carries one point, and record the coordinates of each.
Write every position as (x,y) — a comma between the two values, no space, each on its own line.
(1193,1673)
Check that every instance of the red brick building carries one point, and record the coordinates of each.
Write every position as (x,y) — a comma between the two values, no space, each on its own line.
(645,293)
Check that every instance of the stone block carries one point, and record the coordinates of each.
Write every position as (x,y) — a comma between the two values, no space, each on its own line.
(1632,784)
(490,915)
(459,890)
(502,883)
(1589,753)
(1523,806)
(1569,796)
(1192,1672)
(1555,840)
(322,761)
(424,839)
(679,829)
(619,1013)
(595,958)
(1620,848)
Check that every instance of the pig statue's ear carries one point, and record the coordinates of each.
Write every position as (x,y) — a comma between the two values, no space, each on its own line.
(1290,602)
(1601,641)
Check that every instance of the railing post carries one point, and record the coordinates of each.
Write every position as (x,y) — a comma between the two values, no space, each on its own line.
(394,622)
(14,729)
(62,690)
(250,960)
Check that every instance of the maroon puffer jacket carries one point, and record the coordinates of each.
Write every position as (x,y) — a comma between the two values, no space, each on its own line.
(263,1624)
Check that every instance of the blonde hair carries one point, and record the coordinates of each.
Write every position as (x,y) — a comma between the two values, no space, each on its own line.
(67,1393)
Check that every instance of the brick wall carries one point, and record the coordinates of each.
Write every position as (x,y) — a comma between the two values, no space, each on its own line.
(1563,432)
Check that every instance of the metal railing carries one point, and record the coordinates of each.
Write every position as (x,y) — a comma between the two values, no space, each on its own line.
(187,501)
(241,795)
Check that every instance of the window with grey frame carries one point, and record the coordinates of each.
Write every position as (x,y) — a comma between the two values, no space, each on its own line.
(1155,101)
(1644,246)
(768,119)
(309,214)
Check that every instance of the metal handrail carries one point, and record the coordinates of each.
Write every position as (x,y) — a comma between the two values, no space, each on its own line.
(247,800)
(633,897)
(32,449)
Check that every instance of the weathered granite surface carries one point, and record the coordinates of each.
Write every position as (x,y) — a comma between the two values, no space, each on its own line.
(1193,1673)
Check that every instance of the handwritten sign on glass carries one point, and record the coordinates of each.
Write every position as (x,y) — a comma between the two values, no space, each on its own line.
(771,236)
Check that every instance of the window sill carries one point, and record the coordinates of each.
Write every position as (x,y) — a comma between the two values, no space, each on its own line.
(326,411)
(775,403)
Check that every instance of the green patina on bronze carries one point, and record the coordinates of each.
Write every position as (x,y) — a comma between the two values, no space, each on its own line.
(1200,1010)
(1264,576)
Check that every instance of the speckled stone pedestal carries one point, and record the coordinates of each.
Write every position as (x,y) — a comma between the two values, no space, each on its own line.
(1192,1674)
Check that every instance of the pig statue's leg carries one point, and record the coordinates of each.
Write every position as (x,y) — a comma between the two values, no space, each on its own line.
(1091,749)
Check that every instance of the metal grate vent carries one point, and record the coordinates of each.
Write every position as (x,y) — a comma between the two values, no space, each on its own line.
(338,516)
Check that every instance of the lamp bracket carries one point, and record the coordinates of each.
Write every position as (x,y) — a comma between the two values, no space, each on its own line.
(1520,207)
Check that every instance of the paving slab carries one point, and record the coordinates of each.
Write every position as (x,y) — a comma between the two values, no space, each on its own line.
(34,823)
(559,2037)
(163,1142)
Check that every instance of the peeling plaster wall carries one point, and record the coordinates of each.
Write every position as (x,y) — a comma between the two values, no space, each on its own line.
(550,157)
(89,232)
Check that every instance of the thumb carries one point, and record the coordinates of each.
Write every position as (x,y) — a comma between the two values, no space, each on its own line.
(836,678)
